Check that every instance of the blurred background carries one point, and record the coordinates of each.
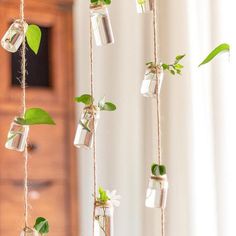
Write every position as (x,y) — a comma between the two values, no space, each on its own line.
(197,119)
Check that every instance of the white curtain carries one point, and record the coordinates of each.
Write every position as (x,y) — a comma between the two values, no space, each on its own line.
(198,118)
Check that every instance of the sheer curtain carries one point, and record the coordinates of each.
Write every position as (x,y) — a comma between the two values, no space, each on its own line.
(198,118)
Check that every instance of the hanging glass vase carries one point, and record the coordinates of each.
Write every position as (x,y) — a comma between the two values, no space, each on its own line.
(13,38)
(17,136)
(153,79)
(86,127)
(103,223)
(156,195)
(101,25)
(29,232)
(144,6)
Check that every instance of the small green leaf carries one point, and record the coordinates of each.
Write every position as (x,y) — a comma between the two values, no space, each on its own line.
(158,170)
(180,57)
(172,72)
(165,67)
(37,116)
(85,98)
(107,2)
(179,66)
(140,2)
(41,225)
(219,49)
(33,37)
(108,106)
(103,198)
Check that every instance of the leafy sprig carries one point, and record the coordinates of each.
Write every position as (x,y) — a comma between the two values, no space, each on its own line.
(102,198)
(35,116)
(41,225)
(103,105)
(103,2)
(158,170)
(176,67)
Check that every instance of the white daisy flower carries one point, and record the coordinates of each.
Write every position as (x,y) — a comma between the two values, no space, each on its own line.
(114,199)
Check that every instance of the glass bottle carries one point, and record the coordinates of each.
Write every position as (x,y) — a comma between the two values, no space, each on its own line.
(156,195)
(17,136)
(144,6)
(101,25)
(29,232)
(153,79)
(13,38)
(85,128)
(103,224)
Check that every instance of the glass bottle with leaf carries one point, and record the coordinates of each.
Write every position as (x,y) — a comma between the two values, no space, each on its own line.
(14,36)
(101,23)
(156,194)
(104,211)
(154,75)
(144,6)
(89,119)
(19,129)
(41,227)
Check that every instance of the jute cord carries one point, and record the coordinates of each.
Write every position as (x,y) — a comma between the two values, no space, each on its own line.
(23,84)
(94,128)
(156,47)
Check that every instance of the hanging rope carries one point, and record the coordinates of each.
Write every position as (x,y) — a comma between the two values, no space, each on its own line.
(23,84)
(94,130)
(156,47)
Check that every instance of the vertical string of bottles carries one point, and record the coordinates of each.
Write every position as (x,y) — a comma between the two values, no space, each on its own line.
(85,137)
(156,194)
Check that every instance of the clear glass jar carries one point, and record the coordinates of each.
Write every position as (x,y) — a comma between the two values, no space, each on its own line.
(101,25)
(153,79)
(144,6)
(86,127)
(13,38)
(17,136)
(103,224)
(29,232)
(156,195)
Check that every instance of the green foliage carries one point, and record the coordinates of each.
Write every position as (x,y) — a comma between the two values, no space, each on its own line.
(219,49)
(141,2)
(35,116)
(97,2)
(33,37)
(176,67)
(87,99)
(158,170)
(103,198)
(41,225)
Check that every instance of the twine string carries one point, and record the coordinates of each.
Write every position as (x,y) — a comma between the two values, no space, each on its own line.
(23,85)
(156,47)
(94,128)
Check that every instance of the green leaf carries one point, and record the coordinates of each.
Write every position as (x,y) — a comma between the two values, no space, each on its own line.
(41,225)
(37,116)
(140,2)
(180,57)
(219,49)
(33,37)
(85,98)
(165,66)
(179,66)
(172,72)
(158,170)
(108,106)
(107,2)
(103,198)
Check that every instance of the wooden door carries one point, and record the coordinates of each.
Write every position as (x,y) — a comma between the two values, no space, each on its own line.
(52,161)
